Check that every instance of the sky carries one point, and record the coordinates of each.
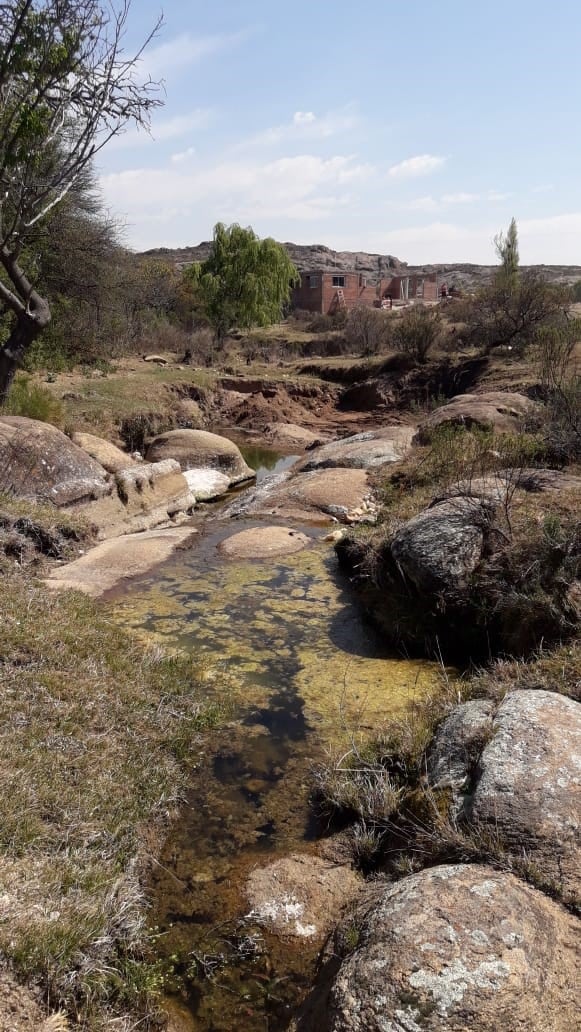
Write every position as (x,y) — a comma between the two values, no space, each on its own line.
(415,129)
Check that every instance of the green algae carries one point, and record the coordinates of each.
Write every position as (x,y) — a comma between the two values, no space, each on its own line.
(310,675)
(287,624)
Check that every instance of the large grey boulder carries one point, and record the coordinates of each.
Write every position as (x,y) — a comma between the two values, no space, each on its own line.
(527,790)
(491,410)
(363,451)
(40,463)
(442,545)
(454,948)
(199,449)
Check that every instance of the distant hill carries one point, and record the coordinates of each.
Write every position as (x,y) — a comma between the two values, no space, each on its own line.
(308,257)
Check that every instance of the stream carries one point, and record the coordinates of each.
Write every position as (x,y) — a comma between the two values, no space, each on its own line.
(308,674)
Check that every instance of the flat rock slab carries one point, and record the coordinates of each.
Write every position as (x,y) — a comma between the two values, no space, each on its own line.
(455,948)
(363,451)
(111,562)
(528,786)
(264,542)
(322,495)
(108,455)
(300,896)
(496,410)
(207,484)
(199,449)
(40,463)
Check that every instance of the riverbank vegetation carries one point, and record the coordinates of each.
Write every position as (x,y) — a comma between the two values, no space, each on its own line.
(97,735)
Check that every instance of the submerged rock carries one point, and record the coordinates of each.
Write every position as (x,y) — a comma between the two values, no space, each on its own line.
(491,410)
(453,948)
(40,463)
(263,542)
(199,449)
(442,545)
(300,896)
(363,451)
(290,436)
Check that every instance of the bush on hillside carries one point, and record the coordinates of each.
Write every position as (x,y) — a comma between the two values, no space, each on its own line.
(368,330)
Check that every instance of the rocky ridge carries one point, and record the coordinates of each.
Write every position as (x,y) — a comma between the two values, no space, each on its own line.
(318,256)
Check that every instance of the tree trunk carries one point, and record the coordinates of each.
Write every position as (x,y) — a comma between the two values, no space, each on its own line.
(24,332)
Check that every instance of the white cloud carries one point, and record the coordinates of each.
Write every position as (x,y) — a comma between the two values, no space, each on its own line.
(422,204)
(301,187)
(185,50)
(183,155)
(306,125)
(421,165)
(494,195)
(460,198)
(164,129)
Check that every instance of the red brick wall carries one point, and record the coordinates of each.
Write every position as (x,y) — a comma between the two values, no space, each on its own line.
(356,291)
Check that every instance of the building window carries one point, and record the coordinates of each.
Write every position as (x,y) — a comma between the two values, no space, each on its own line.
(313,281)
(338,281)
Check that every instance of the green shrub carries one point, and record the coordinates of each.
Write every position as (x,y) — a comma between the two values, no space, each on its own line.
(34,401)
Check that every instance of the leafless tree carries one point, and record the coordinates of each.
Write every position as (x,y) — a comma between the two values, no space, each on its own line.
(67,87)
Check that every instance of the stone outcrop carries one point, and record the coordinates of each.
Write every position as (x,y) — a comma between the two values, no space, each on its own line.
(442,545)
(363,451)
(40,463)
(321,495)
(453,948)
(263,543)
(199,449)
(111,562)
(108,455)
(139,498)
(504,413)
(300,896)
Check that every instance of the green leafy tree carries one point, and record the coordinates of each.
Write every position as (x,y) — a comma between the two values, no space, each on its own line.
(244,282)
(66,88)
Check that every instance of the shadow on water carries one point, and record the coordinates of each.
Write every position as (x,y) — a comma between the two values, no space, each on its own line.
(308,670)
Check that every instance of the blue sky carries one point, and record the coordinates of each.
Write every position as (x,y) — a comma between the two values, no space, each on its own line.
(417,129)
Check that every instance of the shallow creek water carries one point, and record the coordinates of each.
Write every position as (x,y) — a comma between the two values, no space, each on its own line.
(308,674)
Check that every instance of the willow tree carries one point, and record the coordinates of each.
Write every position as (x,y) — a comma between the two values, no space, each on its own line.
(244,282)
(66,88)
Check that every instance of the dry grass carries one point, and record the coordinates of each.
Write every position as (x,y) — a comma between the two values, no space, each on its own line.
(96,735)
(98,402)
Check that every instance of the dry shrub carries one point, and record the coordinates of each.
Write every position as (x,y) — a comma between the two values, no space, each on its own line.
(417,331)
(368,330)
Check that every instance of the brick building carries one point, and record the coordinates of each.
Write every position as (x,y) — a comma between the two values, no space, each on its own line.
(326,292)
